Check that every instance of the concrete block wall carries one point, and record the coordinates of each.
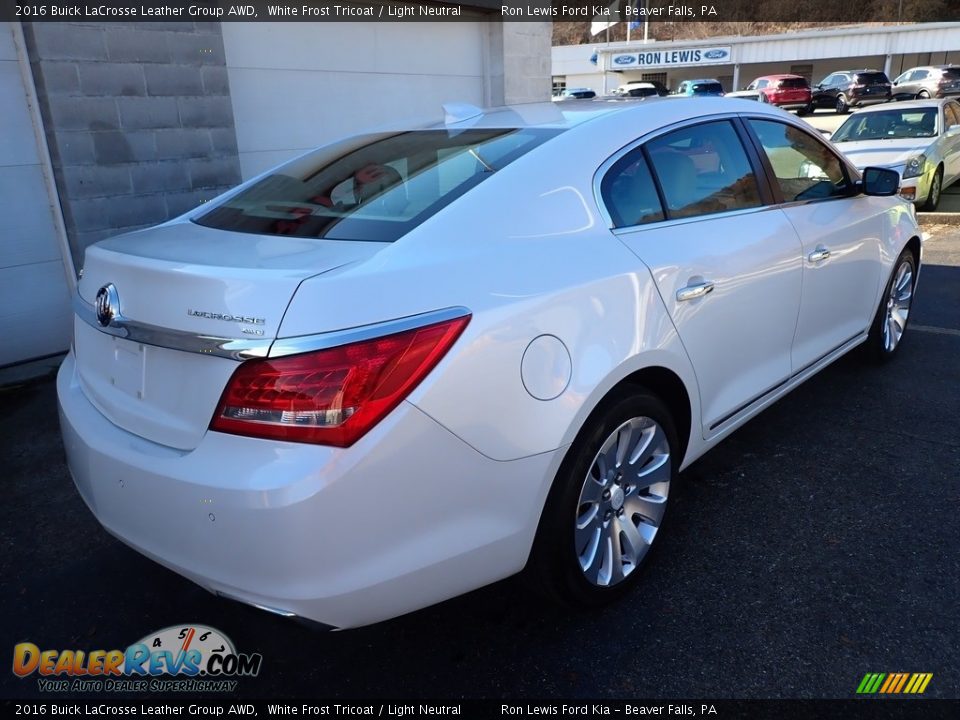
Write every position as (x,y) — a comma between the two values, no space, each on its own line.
(138,119)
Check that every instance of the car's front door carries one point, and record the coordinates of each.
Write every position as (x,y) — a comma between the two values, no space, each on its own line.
(726,264)
(903,87)
(840,232)
(821,93)
(951,142)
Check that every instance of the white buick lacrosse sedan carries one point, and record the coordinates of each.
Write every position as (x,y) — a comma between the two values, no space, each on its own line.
(411,363)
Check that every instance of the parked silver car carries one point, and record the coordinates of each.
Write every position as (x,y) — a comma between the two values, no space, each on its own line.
(923,83)
(918,139)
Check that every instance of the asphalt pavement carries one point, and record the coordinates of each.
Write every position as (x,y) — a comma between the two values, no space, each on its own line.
(816,544)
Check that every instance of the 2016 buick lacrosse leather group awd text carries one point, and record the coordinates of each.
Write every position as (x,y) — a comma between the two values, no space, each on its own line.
(414,362)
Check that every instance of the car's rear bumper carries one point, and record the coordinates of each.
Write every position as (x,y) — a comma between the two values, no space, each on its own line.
(408,516)
(869,100)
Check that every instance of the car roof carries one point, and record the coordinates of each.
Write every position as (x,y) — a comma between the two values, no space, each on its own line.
(713,80)
(650,111)
(779,77)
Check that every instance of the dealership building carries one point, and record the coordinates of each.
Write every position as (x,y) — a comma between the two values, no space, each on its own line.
(735,61)
(109,127)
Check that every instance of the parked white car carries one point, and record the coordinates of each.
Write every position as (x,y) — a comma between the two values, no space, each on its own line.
(412,363)
(919,139)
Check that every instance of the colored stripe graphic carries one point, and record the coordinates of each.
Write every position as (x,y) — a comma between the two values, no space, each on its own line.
(894,683)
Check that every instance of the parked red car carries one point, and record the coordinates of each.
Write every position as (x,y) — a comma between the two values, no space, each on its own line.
(791,92)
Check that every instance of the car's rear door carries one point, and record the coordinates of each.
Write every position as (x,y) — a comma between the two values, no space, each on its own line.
(727,265)
(840,232)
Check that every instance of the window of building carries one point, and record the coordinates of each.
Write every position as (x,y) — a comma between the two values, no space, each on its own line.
(559,85)
(805,71)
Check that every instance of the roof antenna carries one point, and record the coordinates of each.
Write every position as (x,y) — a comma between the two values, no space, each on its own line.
(460,112)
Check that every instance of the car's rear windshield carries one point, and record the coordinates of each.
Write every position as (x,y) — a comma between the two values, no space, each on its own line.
(707,88)
(952,73)
(872,78)
(378,190)
(792,83)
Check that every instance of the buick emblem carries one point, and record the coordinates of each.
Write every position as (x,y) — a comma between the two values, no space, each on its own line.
(108,304)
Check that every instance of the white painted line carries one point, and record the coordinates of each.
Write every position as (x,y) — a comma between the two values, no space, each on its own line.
(935,330)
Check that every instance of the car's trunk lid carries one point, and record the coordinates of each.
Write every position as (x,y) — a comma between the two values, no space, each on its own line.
(196,282)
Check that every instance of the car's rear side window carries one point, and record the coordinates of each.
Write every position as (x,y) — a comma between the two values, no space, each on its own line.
(703,169)
(378,189)
(628,192)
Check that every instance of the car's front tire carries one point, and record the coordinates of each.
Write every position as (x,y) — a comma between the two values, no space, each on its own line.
(893,313)
(607,502)
(841,104)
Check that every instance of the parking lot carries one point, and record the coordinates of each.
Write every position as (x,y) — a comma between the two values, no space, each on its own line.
(816,544)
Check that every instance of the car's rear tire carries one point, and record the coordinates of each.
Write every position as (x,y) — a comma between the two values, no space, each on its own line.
(607,503)
(893,313)
(935,192)
(841,105)
(923,95)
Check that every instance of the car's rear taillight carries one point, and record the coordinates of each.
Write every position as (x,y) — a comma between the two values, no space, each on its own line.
(332,396)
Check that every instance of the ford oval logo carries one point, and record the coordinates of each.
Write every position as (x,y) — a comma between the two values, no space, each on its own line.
(107,305)
(715,54)
(625,59)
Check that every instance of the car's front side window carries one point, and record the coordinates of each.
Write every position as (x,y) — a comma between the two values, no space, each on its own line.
(805,168)
(703,169)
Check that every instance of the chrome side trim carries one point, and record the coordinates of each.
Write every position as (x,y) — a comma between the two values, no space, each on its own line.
(242,349)
(322,341)
(232,348)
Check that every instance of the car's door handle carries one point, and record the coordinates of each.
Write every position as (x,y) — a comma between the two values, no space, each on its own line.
(821,253)
(692,292)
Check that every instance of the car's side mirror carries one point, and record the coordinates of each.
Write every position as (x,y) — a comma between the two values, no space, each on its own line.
(882,182)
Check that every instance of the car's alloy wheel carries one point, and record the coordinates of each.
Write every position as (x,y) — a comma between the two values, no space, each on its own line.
(936,188)
(841,105)
(622,501)
(893,314)
(607,503)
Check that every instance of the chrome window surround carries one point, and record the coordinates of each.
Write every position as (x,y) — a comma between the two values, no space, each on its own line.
(243,349)
(642,140)
(601,171)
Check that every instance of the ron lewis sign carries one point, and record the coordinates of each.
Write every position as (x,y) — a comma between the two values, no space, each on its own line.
(671,58)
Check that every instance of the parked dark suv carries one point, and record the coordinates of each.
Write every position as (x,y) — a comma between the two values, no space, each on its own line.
(931,81)
(845,89)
